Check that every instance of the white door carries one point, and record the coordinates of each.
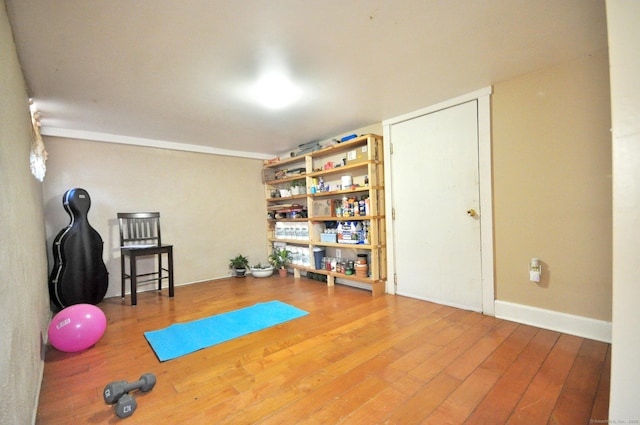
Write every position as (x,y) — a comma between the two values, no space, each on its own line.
(435,184)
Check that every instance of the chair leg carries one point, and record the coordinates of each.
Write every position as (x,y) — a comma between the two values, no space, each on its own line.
(134,289)
(122,273)
(160,272)
(170,259)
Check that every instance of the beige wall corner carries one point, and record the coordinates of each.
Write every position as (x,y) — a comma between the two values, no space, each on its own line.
(24,304)
(552,188)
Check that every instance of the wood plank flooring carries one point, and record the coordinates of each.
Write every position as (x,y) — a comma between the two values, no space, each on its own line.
(355,359)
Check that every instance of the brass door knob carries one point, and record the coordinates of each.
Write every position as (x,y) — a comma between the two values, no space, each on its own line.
(472,213)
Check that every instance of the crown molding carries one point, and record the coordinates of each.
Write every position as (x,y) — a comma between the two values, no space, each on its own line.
(151,143)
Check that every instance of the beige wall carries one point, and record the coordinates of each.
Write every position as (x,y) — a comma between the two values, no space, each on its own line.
(212,207)
(24,299)
(552,188)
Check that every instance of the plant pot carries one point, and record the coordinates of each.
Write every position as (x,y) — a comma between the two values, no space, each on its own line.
(262,272)
(240,272)
(282,272)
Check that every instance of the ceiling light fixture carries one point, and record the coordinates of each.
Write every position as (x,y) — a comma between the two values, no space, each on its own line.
(274,90)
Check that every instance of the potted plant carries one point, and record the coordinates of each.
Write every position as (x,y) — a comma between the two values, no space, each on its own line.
(239,265)
(279,259)
(298,187)
(260,270)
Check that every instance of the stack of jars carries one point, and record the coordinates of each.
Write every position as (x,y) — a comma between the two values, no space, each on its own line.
(339,265)
(362,268)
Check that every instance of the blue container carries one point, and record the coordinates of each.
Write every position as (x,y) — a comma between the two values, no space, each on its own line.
(318,254)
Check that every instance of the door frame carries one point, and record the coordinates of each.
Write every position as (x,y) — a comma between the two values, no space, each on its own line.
(482,97)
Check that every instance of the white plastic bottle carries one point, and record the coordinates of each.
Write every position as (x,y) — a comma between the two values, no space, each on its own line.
(296,255)
(279,230)
(346,232)
(306,261)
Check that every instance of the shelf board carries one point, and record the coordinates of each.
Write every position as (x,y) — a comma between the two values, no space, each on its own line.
(354,218)
(353,277)
(321,173)
(279,163)
(342,169)
(286,179)
(291,241)
(344,146)
(359,189)
(343,245)
(329,150)
(324,244)
(287,198)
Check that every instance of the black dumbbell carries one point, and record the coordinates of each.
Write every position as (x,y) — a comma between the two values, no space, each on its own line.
(114,390)
(125,406)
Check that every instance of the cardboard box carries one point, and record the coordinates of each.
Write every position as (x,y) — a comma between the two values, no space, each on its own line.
(357,155)
(323,208)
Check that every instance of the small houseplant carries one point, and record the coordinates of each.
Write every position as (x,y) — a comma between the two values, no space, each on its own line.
(260,270)
(239,265)
(279,259)
(298,187)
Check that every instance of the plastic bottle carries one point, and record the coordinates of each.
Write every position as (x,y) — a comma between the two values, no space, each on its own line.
(346,232)
(365,233)
(339,231)
(359,233)
(306,260)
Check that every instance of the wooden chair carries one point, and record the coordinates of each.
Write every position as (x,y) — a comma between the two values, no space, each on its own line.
(140,236)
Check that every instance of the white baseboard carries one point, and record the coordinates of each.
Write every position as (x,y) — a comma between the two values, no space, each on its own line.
(585,327)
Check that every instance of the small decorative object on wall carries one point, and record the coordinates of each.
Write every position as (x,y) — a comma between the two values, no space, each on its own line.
(38,155)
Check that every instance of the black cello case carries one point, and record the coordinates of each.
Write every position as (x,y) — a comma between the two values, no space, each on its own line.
(79,275)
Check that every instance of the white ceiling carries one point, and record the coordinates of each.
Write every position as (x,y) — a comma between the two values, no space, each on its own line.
(177,70)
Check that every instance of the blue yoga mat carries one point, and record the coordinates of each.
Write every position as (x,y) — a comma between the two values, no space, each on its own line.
(184,338)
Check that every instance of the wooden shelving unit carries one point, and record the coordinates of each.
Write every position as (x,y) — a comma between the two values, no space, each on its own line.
(361,159)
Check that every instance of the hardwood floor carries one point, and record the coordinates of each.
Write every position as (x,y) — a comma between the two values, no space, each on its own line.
(354,359)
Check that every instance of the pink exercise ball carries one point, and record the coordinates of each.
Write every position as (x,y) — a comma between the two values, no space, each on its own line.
(77,328)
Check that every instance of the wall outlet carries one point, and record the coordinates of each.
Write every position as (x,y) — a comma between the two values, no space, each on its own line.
(535,270)
(338,253)
(534,275)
